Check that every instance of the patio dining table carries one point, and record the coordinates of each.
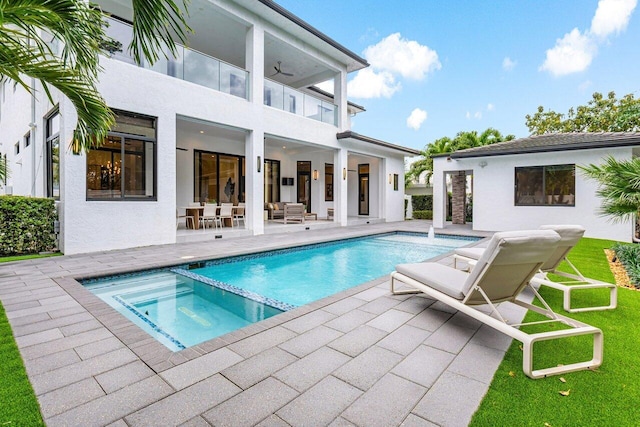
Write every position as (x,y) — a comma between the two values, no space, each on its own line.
(198,211)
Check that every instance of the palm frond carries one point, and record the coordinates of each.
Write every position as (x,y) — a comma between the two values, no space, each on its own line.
(155,24)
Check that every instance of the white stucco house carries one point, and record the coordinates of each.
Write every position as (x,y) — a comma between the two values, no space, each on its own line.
(234,118)
(527,182)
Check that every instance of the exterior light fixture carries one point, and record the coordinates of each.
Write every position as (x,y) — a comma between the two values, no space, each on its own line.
(448,158)
(344,173)
(390,178)
(259,164)
(315,174)
(482,164)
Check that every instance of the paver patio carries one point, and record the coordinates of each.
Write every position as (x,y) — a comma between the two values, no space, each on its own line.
(362,357)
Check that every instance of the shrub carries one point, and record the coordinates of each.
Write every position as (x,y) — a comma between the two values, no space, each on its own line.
(422,203)
(423,214)
(629,256)
(26,225)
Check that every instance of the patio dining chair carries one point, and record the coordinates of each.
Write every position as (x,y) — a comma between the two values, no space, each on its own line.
(226,212)
(570,236)
(238,215)
(209,216)
(189,219)
(500,275)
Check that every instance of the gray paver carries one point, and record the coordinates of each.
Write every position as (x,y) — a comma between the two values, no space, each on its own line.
(65,343)
(350,320)
(450,338)
(477,362)
(94,349)
(114,406)
(51,362)
(198,369)
(429,319)
(390,320)
(310,341)
(39,338)
(257,343)
(415,421)
(489,337)
(255,369)
(404,339)
(392,397)
(414,305)
(195,422)
(371,365)
(358,340)
(441,404)
(341,422)
(424,365)
(312,368)
(379,305)
(122,376)
(372,293)
(309,321)
(68,397)
(69,374)
(253,405)
(272,421)
(344,305)
(184,405)
(320,404)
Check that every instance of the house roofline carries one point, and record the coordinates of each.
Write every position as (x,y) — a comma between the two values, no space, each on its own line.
(308,27)
(367,139)
(586,145)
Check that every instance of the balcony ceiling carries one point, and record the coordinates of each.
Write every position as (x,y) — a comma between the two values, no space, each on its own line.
(221,35)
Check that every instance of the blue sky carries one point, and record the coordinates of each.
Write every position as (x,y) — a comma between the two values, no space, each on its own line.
(470,65)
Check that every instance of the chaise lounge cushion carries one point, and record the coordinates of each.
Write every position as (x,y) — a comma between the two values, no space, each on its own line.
(442,278)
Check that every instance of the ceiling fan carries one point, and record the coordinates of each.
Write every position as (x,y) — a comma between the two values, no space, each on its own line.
(278,69)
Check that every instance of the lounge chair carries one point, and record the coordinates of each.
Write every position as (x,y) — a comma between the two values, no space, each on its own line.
(294,212)
(570,235)
(502,272)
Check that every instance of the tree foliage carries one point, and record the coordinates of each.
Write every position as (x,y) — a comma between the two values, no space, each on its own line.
(619,186)
(27,26)
(462,141)
(601,114)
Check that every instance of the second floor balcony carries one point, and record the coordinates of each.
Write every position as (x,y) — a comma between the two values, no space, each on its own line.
(199,68)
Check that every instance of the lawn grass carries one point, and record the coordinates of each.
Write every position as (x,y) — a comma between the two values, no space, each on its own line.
(30,256)
(18,403)
(607,396)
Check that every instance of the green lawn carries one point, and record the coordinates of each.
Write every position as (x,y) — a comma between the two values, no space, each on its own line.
(608,396)
(24,257)
(18,404)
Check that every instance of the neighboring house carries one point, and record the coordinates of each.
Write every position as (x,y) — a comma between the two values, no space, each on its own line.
(228,120)
(528,182)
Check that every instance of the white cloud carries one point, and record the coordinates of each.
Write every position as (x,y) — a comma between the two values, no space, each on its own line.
(408,58)
(369,84)
(612,16)
(490,107)
(477,115)
(571,54)
(416,118)
(575,51)
(468,115)
(508,64)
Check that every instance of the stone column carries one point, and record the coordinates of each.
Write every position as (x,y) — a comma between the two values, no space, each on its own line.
(458,198)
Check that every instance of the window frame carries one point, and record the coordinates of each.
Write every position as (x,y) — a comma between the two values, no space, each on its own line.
(545,196)
(124,136)
(328,182)
(48,141)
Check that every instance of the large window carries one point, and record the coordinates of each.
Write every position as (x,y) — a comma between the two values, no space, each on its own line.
(545,185)
(124,167)
(52,143)
(219,178)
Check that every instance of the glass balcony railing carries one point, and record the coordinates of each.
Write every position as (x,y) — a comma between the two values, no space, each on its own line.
(189,65)
(279,96)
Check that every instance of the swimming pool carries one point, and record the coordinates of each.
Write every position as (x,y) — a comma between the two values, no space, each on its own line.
(189,304)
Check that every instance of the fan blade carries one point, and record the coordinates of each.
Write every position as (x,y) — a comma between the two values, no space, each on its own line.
(286,74)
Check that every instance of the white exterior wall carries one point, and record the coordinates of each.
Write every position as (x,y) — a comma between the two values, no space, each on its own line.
(88,226)
(493,194)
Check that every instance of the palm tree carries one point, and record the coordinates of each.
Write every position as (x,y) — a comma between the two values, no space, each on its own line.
(25,26)
(4,170)
(619,186)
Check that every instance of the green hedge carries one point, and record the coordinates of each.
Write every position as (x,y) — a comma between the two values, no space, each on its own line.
(422,203)
(26,225)
(423,214)
(629,256)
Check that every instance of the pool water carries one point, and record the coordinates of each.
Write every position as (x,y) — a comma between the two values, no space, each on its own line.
(190,304)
